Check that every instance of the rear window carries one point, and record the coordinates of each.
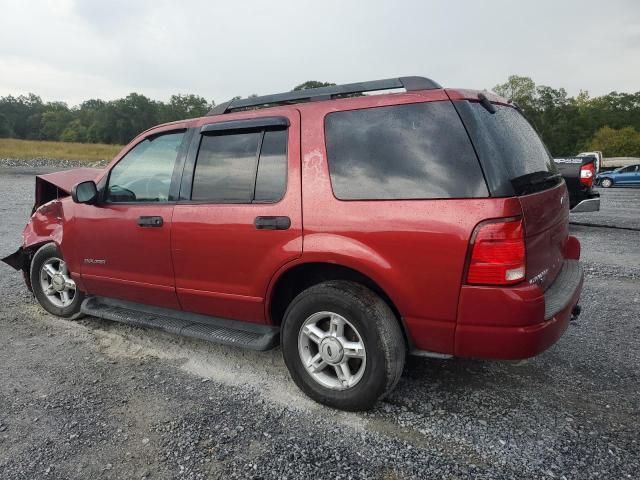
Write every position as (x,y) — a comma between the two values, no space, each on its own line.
(507,144)
(414,151)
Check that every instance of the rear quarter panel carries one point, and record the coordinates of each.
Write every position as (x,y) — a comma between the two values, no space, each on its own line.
(414,249)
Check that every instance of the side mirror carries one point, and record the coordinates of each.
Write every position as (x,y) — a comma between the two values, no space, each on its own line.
(85,192)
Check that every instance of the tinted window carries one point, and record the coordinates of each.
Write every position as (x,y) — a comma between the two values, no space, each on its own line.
(271,180)
(507,144)
(226,167)
(241,167)
(402,152)
(144,174)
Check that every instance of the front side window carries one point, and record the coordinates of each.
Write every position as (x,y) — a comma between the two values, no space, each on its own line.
(246,167)
(414,151)
(144,173)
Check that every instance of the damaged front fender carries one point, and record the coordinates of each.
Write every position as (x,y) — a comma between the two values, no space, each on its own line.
(18,260)
(45,226)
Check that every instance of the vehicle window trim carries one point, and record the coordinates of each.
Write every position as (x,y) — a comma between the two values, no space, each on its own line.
(257,166)
(260,123)
(180,155)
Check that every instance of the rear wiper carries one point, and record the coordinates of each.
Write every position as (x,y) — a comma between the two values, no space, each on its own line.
(488,106)
(528,182)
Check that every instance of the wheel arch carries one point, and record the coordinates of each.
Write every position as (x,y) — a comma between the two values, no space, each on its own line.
(300,276)
(601,179)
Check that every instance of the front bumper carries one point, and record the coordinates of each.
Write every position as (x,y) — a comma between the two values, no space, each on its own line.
(518,322)
(18,259)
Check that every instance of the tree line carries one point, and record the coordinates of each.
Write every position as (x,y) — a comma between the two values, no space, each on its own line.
(568,125)
(93,121)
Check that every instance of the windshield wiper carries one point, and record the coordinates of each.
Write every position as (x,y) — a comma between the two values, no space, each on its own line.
(531,182)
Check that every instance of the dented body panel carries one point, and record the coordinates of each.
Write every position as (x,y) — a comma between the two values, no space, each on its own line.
(59,184)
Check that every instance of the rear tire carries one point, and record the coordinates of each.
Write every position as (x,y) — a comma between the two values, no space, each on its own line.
(342,345)
(606,183)
(52,284)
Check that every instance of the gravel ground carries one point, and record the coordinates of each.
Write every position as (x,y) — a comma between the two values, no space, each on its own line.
(99,399)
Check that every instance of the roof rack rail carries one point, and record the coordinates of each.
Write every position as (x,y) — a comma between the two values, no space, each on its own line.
(410,84)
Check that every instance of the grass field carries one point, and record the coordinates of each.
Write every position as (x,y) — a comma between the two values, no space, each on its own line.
(91,152)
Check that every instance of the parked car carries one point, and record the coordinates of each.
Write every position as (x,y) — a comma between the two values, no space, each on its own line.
(579,174)
(352,229)
(623,176)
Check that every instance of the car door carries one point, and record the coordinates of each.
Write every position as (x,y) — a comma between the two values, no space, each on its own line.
(239,216)
(124,240)
(636,175)
(626,176)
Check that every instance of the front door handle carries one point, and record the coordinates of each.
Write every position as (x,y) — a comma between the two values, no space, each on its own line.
(150,221)
(272,223)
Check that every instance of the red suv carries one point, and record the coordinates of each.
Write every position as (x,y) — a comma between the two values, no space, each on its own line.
(351,228)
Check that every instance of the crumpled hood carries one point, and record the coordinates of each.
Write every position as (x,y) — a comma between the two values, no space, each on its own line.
(59,184)
(66,179)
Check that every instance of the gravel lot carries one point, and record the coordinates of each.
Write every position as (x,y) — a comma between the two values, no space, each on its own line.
(98,399)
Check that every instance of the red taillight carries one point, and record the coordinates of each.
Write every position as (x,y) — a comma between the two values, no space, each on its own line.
(587,174)
(498,254)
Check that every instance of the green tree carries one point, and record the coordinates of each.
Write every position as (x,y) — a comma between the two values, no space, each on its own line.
(54,120)
(624,142)
(312,84)
(5,127)
(185,106)
(23,114)
(75,132)
(521,90)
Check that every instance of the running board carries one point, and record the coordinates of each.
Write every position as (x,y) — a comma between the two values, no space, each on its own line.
(217,330)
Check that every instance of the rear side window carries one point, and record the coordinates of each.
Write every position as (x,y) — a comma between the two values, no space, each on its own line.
(241,167)
(507,144)
(402,152)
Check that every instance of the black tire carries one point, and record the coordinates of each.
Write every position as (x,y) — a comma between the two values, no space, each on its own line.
(606,183)
(45,253)
(374,322)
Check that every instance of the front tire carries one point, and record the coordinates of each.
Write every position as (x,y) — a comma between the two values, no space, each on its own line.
(52,284)
(343,345)
(606,183)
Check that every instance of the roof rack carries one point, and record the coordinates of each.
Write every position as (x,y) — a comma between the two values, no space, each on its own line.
(410,84)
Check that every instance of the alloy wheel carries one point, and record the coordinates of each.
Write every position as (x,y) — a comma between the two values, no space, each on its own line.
(332,350)
(57,283)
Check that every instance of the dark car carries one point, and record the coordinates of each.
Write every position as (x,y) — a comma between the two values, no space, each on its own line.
(353,229)
(623,176)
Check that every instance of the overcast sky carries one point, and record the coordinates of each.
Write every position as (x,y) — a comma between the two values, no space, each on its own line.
(75,50)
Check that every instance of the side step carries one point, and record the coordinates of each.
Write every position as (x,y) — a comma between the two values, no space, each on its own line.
(218,330)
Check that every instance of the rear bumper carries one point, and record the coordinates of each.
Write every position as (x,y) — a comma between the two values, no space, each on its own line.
(519,322)
(584,199)
(589,205)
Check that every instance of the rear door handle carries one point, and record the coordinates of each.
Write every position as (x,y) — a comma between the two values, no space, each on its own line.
(150,221)
(272,223)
